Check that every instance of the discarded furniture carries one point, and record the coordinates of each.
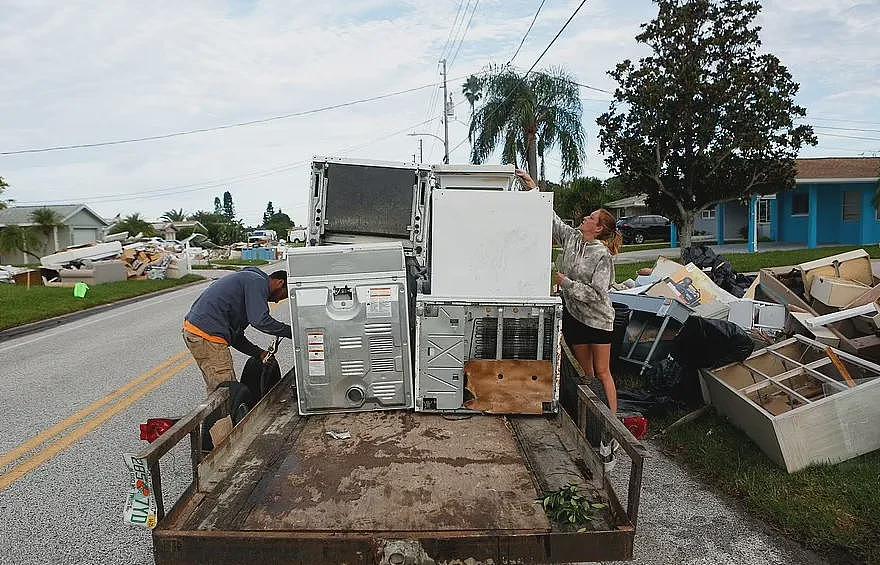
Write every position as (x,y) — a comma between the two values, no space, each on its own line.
(99,272)
(93,252)
(754,314)
(649,322)
(852,338)
(853,265)
(835,291)
(798,405)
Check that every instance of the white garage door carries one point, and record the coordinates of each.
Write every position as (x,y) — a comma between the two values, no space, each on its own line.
(84,235)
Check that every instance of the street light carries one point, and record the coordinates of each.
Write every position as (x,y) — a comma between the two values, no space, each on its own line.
(438,138)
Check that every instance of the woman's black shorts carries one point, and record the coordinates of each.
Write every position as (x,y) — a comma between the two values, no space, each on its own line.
(576,333)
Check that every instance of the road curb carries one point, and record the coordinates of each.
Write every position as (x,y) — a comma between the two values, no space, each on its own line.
(18,331)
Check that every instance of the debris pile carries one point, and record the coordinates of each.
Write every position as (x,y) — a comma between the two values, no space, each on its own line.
(694,326)
(112,262)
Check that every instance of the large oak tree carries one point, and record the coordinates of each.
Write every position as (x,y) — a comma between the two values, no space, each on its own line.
(705,117)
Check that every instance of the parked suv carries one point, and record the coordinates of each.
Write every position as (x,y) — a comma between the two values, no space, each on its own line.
(639,229)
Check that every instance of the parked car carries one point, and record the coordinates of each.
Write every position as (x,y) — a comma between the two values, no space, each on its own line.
(639,229)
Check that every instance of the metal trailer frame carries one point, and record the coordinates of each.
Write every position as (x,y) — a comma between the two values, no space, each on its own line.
(416,245)
(175,542)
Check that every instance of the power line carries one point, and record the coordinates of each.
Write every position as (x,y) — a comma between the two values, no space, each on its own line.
(848,136)
(464,33)
(174,190)
(848,129)
(221,127)
(527,32)
(821,119)
(538,60)
(454,25)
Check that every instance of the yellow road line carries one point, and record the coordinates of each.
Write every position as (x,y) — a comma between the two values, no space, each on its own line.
(75,418)
(41,457)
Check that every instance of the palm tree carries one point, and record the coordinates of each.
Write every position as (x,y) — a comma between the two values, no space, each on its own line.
(45,222)
(17,238)
(133,224)
(3,186)
(174,215)
(529,116)
(472,89)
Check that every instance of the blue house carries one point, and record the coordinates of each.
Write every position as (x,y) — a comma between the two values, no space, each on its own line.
(832,203)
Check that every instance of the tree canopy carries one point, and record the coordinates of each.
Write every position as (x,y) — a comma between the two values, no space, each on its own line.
(174,215)
(3,186)
(577,198)
(280,222)
(228,207)
(705,117)
(133,224)
(528,116)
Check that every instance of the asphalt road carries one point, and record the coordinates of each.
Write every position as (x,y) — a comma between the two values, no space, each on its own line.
(61,499)
(61,502)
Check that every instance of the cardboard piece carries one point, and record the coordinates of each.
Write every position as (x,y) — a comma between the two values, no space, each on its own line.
(690,286)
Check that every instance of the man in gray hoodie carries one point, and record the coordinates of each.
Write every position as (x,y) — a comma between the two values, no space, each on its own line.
(218,318)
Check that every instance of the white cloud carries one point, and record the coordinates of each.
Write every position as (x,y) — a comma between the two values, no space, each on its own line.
(81,72)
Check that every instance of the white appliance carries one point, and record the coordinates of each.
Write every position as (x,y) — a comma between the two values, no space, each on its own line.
(349,309)
(491,243)
(495,355)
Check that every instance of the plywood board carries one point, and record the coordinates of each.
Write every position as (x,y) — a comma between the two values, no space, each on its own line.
(491,243)
(398,472)
(509,387)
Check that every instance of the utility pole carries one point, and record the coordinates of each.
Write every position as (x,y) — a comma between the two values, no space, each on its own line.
(445,117)
(421,152)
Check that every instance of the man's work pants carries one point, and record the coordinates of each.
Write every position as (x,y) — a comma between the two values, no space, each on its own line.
(215,362)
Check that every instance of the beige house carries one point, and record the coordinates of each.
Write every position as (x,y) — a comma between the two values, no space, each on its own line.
(79,225)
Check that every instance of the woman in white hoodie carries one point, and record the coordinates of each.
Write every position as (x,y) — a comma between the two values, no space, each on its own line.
(585,273)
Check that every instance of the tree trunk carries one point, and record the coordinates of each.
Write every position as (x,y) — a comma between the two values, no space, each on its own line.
(532,153)
(686,230)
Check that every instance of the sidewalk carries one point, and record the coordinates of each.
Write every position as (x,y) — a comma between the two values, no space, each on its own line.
(726,249)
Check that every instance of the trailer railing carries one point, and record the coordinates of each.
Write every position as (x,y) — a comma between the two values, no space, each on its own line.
(213,408)
(595,425)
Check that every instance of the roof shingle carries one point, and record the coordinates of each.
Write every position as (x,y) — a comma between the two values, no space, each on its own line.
(838,168)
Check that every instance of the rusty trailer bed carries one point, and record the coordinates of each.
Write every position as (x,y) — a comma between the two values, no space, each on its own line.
(404,488)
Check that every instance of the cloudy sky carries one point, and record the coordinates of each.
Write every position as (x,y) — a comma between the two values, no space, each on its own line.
(86,72)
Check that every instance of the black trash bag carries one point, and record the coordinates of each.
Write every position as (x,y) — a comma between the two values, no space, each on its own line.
(705,344)
(700,255)
(259,377)
(671,385)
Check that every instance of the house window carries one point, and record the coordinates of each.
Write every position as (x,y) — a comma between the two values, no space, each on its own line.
(708,214)
(763,211)
(851,201)
(800,204)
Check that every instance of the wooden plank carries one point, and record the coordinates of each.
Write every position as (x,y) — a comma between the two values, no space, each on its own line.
(509,386)
(841,368)
(399,471)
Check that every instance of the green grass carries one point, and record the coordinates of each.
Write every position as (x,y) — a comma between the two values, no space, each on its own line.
(833,509)
(22,305)
(241,262)
(751,262)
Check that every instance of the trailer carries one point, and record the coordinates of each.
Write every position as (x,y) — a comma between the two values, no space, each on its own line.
(395,487)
